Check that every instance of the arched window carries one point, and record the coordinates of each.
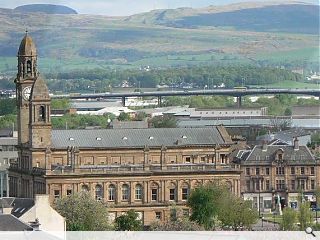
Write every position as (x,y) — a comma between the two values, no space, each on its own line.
(138,192)
(29,67)
(99,192)
(42,113)
(111,192)
(85,188)
(125,192)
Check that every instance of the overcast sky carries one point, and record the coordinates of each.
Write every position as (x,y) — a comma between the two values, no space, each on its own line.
(124,7)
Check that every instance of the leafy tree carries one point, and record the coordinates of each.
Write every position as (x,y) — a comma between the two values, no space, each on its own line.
(181,224)
(288,112)
(124,116)
(60,104)
(304,215)
(289,218)
(8,121)
(83,212)
(236,213)
(203,202)
(8,106)
(128,222)
(164,122)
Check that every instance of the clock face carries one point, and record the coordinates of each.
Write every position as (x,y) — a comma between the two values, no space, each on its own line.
(26,93)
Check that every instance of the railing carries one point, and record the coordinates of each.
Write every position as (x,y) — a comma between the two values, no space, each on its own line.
(60,169)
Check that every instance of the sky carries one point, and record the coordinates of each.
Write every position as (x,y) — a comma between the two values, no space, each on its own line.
(124,7)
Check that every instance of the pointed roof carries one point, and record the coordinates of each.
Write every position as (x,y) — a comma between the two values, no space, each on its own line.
(40,90)
(27,46)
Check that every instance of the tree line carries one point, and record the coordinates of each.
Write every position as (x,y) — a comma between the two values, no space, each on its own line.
(102,80)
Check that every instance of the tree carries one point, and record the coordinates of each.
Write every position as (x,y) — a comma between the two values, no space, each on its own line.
(236,213)
(203,202)
(83,213)
(177,222)
(128,222)
(304,215)
(61,104)
(288,112)
(164,122)
(181,224)
(289,218)
(124,116)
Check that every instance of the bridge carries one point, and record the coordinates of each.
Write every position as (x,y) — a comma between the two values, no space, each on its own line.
(238,93)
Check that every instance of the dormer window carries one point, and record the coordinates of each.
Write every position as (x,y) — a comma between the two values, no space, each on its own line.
(280,156)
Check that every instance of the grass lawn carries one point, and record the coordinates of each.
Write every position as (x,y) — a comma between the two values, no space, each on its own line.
(292,84)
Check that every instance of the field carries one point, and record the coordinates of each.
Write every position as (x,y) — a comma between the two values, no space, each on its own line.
(86,41)
(292,84)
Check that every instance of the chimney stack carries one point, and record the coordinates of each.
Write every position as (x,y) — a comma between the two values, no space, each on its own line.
(296,144)
(264,146)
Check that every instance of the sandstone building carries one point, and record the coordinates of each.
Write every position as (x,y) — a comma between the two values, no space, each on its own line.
(142,169)
(278,169)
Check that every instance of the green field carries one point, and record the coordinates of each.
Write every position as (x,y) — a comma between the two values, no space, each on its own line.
(292,84)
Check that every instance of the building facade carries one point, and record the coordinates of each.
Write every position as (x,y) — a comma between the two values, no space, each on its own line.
(147,170)
(278,169)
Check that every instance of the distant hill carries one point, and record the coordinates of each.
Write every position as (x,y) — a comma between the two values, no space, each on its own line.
(46,8)
(263,17)
(282,35)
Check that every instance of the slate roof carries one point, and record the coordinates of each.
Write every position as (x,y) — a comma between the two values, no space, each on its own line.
(21,206)
(291,156)
(139,138)
(12,141)
(9,222)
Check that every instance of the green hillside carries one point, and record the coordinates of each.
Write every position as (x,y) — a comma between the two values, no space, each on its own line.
(68,42)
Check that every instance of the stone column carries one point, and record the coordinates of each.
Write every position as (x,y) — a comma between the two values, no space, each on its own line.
(1,184)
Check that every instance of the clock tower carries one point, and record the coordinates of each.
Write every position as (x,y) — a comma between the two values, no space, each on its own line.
(26,77)
(34,125)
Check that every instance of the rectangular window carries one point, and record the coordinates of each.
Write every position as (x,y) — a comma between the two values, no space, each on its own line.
(302,184)
(267,203)
(125,193)
(69,192)
(247,171)
(185,193)
(257,171)
(158,215)
(172,194)
(312,170)
(203,159)
(154,194)
(248,185)
(280,170)
(258,185)
(267,171)
(293,171)
(138,194)
(293,185)
(312,184)
(56,193)
(267,184)
(188,159)
(302,170)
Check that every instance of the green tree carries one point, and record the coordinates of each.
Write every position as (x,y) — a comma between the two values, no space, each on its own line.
(8,106)
(124,116)
(304,215)
(128,222)
(236,213)
(61,104)
(181,224)
(164,122)
(289,218)
(83,212)
(203,202)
